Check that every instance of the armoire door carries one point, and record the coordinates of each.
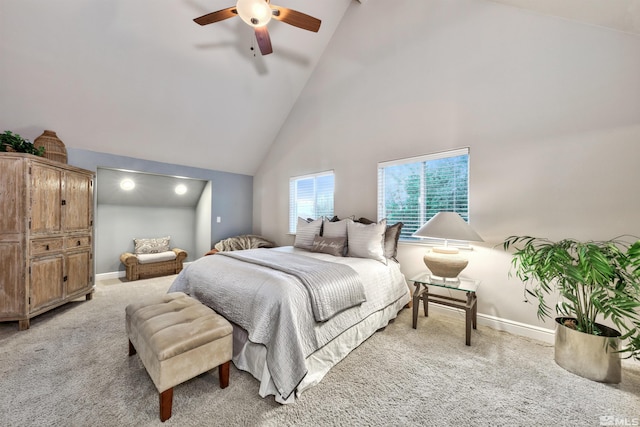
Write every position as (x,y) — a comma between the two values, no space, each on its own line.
(47,286)
(46,199)
(78,202)
(12,227)
(12,288)
(77,272)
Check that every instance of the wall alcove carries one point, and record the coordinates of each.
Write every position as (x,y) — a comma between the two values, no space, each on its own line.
(155,206)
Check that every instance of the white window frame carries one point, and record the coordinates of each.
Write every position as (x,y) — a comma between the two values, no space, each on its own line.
(293,206)
(382,213)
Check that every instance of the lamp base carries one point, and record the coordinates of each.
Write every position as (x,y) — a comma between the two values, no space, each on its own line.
(447,265)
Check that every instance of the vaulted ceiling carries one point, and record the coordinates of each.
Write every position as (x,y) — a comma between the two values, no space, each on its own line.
(141,79)
(620,15)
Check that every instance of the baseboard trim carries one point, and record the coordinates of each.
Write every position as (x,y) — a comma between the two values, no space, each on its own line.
(500,324)
(111,275)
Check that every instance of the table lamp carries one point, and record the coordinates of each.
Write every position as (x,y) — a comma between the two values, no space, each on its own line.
(445,261)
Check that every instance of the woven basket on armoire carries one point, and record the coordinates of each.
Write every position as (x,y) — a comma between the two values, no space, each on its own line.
(54,148)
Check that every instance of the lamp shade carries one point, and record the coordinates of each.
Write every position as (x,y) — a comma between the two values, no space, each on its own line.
(256,13)
(444,261)
(449,226)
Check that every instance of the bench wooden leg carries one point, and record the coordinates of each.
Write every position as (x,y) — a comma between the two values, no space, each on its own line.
(166,400)
(132,349)
(223,373)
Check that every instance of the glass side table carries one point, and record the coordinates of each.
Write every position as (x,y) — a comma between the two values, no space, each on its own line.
(422,283)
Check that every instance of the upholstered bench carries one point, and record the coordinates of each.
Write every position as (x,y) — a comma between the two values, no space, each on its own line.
(177,339)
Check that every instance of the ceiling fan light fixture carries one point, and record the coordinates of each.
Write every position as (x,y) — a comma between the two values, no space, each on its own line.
(256,13)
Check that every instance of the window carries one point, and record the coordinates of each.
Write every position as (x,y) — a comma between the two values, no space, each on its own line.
(413,190)
(310,196)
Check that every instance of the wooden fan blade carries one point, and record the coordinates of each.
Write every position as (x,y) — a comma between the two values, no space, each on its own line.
(264,41)
(220,15)
(295,18)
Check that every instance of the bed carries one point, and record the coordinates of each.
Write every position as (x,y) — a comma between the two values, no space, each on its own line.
(285,334)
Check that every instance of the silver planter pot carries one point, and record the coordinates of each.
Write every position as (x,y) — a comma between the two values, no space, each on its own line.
(590,356)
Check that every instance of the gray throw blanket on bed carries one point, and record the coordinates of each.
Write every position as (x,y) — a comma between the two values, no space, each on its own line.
(332,287)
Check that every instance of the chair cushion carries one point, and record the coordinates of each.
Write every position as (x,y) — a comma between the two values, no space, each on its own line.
(162,256)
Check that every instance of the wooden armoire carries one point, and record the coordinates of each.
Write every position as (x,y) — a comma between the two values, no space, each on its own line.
(46,235)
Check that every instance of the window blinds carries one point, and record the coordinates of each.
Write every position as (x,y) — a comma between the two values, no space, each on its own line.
(413,190)
(310,196)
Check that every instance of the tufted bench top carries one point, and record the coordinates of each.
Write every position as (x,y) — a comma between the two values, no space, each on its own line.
(175,323)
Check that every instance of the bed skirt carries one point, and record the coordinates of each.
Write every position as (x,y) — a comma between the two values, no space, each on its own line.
(252,357)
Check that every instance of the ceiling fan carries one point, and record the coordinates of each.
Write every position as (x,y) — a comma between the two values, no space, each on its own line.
(258,13)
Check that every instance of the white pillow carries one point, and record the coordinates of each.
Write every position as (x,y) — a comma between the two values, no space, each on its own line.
(305,232)
(367,241)
(334,229)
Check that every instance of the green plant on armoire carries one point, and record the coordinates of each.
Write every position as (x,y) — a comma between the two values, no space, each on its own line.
(12,142)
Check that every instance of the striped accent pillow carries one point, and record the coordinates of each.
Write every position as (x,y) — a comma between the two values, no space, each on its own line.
(335,228)
(306,232)
(367,240)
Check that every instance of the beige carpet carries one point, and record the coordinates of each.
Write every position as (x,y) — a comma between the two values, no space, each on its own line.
(71,369)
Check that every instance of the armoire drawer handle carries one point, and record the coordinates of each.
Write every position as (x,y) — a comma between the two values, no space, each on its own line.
(79,243)
(46,247)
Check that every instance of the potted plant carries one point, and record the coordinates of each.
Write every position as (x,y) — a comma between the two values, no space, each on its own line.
(594,281)
(10,141)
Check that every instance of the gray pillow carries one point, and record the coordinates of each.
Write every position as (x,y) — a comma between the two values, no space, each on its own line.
(329,245)
(151,246)
(367,240)
(305,232)
(363,220)
(391,237)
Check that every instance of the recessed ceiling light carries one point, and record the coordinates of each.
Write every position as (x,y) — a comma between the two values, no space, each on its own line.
(127,184)
(181,189)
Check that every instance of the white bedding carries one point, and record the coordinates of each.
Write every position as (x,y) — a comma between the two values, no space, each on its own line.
(251,357)
(321,344)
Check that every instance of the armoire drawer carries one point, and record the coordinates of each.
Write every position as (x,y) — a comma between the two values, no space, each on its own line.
(44,246)
(77,242)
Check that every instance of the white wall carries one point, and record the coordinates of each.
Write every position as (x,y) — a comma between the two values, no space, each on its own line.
(117,226)
(203,223)
(550,109)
